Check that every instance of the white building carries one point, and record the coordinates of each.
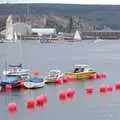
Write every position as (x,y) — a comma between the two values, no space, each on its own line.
(44,31)
(22,28)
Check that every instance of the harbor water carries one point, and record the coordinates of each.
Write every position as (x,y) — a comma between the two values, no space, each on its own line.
(104,56)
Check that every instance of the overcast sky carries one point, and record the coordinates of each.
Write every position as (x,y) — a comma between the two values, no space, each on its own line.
(64,1)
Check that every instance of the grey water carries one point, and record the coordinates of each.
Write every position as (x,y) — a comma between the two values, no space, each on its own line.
(103,56)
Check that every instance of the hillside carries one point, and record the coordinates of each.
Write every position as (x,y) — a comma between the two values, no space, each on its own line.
(95,14)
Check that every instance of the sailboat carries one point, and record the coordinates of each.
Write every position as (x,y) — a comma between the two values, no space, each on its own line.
(9,29)
(10,35)
(77,36)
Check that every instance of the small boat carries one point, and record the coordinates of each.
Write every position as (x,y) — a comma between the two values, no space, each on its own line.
(34,82)
(13,80)
(52,75)
(81,72)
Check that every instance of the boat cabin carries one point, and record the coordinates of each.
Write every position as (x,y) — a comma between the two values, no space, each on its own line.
(79,68)
(15,68)
(54,73)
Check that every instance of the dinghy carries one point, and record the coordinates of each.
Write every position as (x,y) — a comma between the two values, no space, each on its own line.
(34,82)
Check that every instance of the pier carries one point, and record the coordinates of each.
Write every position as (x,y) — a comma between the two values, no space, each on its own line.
(103,34)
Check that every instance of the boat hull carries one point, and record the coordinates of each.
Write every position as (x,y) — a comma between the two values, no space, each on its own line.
(50,81)
(84,75)
(34,85)
(14,85)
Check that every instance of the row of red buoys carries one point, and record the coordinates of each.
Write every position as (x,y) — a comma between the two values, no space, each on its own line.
(64,80)
(31,103)
(97,76)
(64,94)
(39,101)
(102,88)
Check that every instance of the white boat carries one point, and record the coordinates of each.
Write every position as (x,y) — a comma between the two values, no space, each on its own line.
(52,75)
(34,82)
(17,70)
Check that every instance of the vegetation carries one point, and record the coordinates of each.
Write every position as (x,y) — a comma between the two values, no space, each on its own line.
(96,14)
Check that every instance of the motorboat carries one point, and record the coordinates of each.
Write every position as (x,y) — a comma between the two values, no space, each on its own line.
(34,82)
(13,80)
(53,75)
(81,71)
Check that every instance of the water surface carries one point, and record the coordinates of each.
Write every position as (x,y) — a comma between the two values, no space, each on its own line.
(103,56)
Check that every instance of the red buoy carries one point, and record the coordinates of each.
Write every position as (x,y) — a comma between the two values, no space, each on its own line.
(31,103)
(109,88)
(12,106)
(70,78)
(44,97)
(36,73)
(70,92)
(21,85)
(0,89)
(66,79)
(40,101)
(58,81)
(62,95)
(103,75)
(102,88)
(98,75)
(117,85)
(89,90)
(91,76)
(8,88)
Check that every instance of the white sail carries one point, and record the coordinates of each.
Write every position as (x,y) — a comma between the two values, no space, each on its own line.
(77,35)
(9,28)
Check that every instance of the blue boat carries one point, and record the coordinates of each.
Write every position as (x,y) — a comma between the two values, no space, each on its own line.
(12,80)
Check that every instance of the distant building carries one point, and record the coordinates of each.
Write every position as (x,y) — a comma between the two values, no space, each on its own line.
(44,31)
(18,28)
(22,28)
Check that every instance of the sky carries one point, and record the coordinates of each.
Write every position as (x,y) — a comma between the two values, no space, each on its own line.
(64,1)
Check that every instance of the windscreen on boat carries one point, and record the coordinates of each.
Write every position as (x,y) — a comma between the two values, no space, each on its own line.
(20,65)
(53,73)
